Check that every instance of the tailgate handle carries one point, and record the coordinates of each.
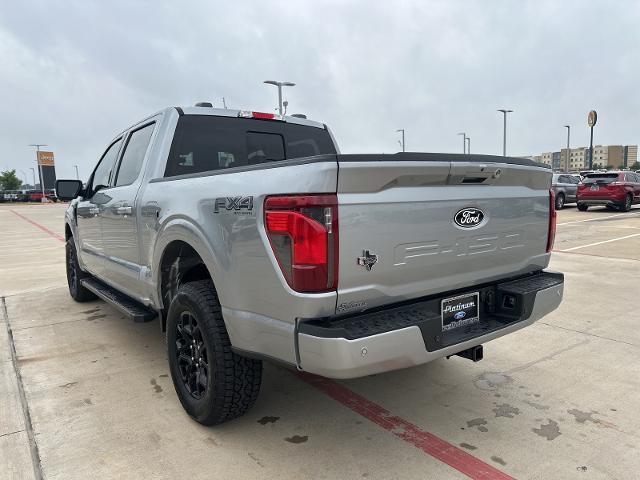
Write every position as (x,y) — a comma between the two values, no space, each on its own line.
(474,179)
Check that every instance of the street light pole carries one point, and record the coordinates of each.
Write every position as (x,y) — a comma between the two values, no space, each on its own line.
(464,142)
(402,131)
(77,176)
(566,159)
(504,130)
(34,177)
(38,145)
(469,145)
(279,85)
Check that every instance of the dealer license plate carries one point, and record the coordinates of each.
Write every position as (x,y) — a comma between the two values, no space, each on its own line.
(460,311)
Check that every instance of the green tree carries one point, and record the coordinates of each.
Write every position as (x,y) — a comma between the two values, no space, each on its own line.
(609,167)
(9,180)
(635,166)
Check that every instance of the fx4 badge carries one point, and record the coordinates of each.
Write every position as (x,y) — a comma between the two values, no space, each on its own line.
(367,260)
(238,205)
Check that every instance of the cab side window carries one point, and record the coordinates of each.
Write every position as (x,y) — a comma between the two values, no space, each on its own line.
(133,156)
(104,171)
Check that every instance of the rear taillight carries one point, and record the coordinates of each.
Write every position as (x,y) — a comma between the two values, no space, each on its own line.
(303,232)
(552,220)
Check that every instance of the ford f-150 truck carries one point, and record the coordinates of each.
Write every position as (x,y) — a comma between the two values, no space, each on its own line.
(250,237)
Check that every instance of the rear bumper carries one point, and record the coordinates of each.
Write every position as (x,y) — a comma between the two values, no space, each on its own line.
(611,197)
(341,348)
(600,200)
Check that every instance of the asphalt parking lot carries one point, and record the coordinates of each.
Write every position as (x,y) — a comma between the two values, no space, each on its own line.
(85,393)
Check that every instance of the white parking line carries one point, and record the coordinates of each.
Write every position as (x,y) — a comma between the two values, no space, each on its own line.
(599,218)
(623,226)
(599,243)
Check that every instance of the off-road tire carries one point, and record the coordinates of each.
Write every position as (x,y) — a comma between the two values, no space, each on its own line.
(233,382)
(75,275)
(582,207)
(560,201)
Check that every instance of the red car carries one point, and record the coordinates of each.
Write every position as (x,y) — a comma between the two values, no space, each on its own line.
(617,190)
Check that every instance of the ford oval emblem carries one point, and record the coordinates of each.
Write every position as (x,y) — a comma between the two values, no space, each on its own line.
(469,217)
(460,315)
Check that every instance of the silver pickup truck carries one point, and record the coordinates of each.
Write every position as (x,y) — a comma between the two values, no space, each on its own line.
(250,237)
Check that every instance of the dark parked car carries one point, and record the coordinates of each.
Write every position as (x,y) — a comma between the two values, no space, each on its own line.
(565,186)
(13,196)
(617,190)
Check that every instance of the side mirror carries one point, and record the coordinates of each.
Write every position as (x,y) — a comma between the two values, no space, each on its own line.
(68,189)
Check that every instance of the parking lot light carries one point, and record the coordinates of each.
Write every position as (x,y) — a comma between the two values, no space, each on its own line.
(504,130)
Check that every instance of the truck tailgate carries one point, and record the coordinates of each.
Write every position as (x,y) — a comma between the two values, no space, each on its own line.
(398,237)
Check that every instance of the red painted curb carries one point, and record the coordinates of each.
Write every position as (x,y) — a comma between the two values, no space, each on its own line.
(410,433)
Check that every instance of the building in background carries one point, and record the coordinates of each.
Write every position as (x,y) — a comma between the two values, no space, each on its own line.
(600,156)
(546,158)
(630,155)
(616,156)
(579,159)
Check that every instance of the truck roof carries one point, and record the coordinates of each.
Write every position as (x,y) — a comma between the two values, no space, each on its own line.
(225,112)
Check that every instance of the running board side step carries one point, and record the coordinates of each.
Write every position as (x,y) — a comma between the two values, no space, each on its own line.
(133,309)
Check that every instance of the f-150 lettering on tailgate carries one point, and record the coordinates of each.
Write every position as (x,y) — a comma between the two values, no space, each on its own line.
(470,245)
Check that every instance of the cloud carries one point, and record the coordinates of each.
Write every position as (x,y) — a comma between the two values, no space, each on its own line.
(73,76)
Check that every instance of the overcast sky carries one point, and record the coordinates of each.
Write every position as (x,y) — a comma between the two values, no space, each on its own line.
(75,73)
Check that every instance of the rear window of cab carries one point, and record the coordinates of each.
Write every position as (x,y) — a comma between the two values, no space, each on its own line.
(205,143)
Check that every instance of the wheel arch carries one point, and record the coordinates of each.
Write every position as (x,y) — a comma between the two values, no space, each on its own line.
(182,255)
(71,232)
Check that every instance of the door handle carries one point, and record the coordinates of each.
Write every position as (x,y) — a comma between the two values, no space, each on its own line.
(124,210)
(94,211)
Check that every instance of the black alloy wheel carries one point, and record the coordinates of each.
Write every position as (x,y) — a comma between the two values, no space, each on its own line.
(72,270)
(191,355)
(214,384)
(75,275)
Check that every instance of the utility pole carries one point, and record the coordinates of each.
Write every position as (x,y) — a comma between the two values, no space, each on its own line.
(469,145)
(279,85)
(566,159)
(504,130)
(592,119)
(401,130)
(464,142)
(224,104)
(77,176)
(38,145)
